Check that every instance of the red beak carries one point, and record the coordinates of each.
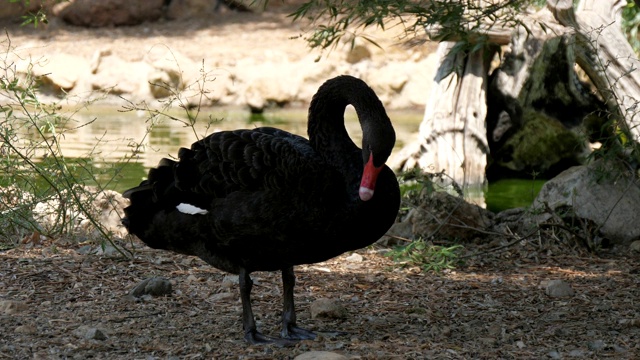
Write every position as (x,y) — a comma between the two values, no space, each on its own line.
(369,178)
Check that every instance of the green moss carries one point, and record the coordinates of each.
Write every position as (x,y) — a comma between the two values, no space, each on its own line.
(542,142)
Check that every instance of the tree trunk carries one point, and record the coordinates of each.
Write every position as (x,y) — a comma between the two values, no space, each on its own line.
(453,136)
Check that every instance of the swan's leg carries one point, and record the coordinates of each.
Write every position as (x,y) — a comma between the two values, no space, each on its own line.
(289,328)
(251,334)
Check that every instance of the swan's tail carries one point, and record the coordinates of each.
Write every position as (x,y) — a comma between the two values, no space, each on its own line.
(148,198)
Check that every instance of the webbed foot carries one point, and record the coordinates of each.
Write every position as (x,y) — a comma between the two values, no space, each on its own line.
(296,333)
(255,337)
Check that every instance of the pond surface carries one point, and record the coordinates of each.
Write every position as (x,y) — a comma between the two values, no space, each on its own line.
(122,146)
(511,193)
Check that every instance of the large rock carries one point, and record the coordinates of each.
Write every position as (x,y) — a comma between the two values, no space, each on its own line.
(118,76)
(189,9)
(102,207)
(271,84)
(448,217)
(60,72)
(196,83)
(11,10)
(99,13)
(600,192)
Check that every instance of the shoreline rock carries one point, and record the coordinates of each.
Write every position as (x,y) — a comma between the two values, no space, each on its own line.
(252,60)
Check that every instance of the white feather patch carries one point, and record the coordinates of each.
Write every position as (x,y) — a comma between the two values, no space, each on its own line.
(190,209)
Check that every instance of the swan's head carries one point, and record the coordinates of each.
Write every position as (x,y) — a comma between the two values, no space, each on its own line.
(377,142)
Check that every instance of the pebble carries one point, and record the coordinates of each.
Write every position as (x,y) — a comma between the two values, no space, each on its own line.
(106,250)
(576,353)
(193,279)
(327,308)
(320,355)
(154,286)
(554,354)
(221,297)
(230,281)
(9,307)
(559,288)
(354,258)
(84,250)
(596,345)
(90,333)
(25,329)
(619,349)
(635,246)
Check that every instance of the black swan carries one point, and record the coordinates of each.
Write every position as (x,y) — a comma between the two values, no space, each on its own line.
(266,200)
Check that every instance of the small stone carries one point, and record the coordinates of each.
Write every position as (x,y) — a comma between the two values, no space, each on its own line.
(559,288)
(193,279)
(576,353)
(619,349)
(90,333)
(230,281)
(629,322)
(596,345)
(25,329)
(445,331)
(354,258)
(488,341)
(9,307)
(106,250)
(554,354)
(154,286)
(84,250)
(320,355)
(221,297)
(635,246)
(327,308)
(95,334)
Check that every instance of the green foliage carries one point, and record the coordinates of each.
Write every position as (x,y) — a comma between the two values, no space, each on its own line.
(42,190)
(631,24)
(34,172)
(33,17)
(427,256)
(455,19)
(417,184)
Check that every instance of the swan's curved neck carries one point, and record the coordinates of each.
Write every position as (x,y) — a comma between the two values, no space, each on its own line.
(327,132)
(326,129)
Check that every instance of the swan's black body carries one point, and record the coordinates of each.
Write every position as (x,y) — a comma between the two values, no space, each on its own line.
(274,199)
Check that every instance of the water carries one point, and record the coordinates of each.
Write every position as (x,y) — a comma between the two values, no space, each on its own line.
(118,147)
(512,193)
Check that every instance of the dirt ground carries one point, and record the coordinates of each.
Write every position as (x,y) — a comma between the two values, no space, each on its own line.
(494,307)
(59,302)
